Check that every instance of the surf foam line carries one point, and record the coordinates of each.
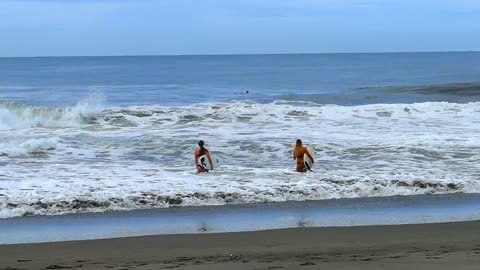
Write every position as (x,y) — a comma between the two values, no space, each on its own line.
(321,189)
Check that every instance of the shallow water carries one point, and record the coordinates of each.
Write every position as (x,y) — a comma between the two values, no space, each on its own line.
(247,217)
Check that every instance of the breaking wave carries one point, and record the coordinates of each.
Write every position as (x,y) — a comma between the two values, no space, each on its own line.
(15,115)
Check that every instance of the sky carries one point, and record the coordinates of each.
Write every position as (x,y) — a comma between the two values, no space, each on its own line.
(172,27)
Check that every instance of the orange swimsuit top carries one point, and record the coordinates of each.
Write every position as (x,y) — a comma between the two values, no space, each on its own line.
(302,151)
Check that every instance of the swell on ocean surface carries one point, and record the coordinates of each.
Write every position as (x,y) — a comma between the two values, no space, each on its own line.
(460,89)
(464,92)
(92,157)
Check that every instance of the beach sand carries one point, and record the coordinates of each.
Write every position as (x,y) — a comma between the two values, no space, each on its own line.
(426,246)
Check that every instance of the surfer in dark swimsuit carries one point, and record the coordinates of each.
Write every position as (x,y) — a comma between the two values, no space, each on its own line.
(201,152)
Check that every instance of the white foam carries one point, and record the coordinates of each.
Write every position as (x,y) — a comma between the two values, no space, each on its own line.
(25,147)
(142,156)
(19,116)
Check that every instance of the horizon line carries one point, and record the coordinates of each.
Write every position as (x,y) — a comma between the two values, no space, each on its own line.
(239,54)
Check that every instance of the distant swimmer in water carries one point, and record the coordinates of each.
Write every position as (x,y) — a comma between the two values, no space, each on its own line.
(246,92)
(298,153)
(200,152)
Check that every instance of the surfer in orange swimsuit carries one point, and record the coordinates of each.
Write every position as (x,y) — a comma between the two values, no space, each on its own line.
(298,153)
(200,152)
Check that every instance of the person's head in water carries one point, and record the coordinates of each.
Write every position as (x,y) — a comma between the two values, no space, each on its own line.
(201,144)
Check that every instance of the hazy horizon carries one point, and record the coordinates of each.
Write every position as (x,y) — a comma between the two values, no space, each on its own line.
(237,54)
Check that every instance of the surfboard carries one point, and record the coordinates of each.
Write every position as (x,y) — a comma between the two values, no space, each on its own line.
(205,163)
(307,161)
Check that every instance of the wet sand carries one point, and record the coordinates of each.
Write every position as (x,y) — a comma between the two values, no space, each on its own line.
(425,246)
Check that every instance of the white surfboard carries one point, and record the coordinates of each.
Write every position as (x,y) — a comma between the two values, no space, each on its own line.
(307,161)
(205,163)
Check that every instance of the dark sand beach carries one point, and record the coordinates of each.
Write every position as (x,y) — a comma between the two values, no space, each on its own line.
(423,246)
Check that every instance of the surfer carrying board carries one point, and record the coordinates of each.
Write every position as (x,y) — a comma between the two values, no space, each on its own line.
(298,154)
(199,152)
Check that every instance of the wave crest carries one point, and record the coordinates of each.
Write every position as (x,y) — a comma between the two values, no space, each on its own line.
(14,115)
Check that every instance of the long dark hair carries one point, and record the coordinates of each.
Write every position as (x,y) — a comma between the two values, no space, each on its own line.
(298,146)
(202,149)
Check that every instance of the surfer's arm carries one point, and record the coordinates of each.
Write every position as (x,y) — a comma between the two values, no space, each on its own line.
(293,154)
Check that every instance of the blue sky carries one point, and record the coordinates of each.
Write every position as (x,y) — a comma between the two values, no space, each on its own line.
(165,27)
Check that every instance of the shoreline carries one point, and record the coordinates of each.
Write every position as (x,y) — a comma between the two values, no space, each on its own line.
(424,246)
(242,218)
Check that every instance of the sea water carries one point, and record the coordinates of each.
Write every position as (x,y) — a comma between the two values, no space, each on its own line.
(92,134)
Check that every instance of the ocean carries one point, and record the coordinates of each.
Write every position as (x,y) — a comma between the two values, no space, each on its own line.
(96,134)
